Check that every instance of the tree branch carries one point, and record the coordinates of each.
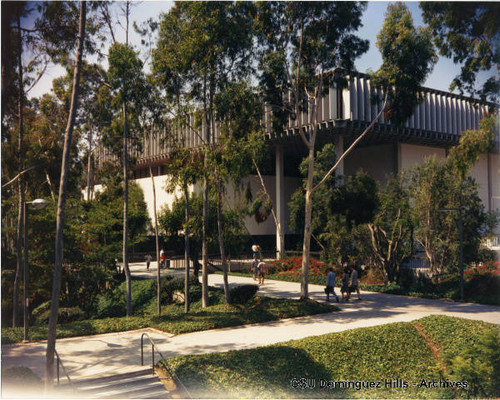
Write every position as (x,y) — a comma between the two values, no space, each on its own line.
(269,197)
(352,146)
(19,175)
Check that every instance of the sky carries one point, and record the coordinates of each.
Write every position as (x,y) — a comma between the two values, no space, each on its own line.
(440,78)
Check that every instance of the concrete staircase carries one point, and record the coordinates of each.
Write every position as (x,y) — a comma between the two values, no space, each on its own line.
(129,383)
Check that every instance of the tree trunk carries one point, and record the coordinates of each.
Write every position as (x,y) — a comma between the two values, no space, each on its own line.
(186,252)
(20,185)
(281,234)
(89,167)
(157,243)
(221,239)
(307,226)
(125,212)
(56,285)
(204,245)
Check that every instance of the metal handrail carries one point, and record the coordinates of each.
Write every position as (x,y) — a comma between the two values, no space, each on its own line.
(153,349)
(59,362)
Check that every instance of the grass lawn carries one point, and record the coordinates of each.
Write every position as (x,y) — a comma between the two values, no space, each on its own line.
(174,320)
(361,356)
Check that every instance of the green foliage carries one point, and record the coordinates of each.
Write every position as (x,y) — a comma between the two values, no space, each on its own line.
(472,144)
(434,186)
(174,320)
(299,41)
(390,231)
(172,222)
(202,46)
(178,285)
(105,221)
(408,57)
(113,302)
(484,289)
(478,364)
(242,294)
(125,71)
(468,33)
(65,314)
(338,211)
(452,334)
(368,354)
(88,257)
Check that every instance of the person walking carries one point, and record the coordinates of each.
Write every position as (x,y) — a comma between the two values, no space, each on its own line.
(346,294)
(261,267)
(354,282)
(330,284)
(255,263)
(148,261)
(162,258)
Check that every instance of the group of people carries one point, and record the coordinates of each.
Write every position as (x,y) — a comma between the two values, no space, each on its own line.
(349,280)
(163,260)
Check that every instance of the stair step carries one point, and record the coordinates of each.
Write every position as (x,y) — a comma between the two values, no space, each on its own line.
(140,393)
(139,384)
(98,379)
(118,384)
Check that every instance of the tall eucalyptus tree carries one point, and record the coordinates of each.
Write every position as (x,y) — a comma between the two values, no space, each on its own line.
(202,47)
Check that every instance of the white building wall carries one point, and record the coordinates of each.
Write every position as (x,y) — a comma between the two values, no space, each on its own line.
(480,173)
(163,198)
(410,155)
(495,183)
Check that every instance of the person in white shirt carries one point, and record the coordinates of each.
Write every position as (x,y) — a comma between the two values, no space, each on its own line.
(262,268)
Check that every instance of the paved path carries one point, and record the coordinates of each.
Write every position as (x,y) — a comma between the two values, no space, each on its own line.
(89,355)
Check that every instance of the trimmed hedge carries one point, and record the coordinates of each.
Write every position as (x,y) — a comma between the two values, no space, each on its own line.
(242,294)
(177,285)
(41,314)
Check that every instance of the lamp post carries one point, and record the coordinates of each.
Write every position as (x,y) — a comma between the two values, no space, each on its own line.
(461,246)
(38,204)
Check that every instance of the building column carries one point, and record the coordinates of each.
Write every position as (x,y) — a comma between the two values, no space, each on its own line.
(339,150)
(280,200)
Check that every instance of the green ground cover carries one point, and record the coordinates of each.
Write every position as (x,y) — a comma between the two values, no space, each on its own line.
(174,320)
(360,356)
(452,334)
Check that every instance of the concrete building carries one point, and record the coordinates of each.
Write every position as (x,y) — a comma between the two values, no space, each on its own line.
(435,126)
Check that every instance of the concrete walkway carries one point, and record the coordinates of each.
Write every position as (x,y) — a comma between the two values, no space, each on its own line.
(90,355)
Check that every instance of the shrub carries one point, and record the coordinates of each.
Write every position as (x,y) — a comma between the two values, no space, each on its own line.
(478,364)
(21,377)
(484,289)
(373,276)
(41,314)
(177,285)
(114,303)
(292,267)
(242,294)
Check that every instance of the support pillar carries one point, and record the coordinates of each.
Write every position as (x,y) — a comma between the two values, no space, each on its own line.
(280,202)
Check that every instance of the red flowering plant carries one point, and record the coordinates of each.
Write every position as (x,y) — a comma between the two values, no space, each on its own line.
(291,267)
(488,268)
